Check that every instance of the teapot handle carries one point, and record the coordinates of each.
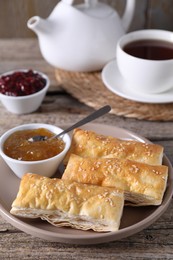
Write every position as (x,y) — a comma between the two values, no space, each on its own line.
(87,2)
(128,14)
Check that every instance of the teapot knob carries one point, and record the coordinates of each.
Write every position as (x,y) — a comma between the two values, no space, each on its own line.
(69,2)
(88,2)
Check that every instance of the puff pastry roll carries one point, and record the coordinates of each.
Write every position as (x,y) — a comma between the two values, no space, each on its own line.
(90,144)
(143,184)
(66,203)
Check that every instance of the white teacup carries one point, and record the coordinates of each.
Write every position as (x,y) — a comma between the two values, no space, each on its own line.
(146,75)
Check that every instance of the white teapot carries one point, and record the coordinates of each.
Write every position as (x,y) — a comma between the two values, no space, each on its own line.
(81,37)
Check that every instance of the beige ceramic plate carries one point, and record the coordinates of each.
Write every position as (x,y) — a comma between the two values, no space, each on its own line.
(133,219)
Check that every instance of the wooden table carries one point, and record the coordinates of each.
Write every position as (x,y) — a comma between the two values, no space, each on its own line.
(155,242)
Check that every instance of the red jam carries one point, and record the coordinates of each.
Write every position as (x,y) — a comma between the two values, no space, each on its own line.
(21,83)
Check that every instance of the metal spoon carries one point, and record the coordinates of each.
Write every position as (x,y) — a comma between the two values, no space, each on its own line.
(85,120)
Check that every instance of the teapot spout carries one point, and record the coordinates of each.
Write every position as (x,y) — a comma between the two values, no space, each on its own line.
(37,24)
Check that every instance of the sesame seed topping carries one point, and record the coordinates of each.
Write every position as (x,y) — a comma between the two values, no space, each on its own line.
(157,172)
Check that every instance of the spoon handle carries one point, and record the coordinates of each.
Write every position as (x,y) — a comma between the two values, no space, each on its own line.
(85,120)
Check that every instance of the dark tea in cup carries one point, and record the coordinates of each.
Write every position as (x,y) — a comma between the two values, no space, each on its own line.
(150,49)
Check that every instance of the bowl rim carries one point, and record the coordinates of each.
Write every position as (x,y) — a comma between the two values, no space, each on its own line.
(33,126)
(45,88)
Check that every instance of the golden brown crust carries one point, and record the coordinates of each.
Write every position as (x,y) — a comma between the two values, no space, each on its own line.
(143,184)
(90,144)
(66,203)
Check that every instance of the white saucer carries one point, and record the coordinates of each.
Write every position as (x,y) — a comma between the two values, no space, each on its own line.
(115,83)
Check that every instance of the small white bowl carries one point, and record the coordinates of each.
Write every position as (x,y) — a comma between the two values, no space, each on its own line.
(46,167)
(24,104)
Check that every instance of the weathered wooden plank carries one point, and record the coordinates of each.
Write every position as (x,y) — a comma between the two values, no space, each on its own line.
(157,239)
(160,15)
(64,109)
(14,15)
(24,9)
(19,50)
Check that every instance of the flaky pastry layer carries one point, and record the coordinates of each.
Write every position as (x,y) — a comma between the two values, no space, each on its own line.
(67,203)
(143,184)
(91,144)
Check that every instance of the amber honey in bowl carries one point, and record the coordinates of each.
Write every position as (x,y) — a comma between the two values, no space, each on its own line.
(18,146)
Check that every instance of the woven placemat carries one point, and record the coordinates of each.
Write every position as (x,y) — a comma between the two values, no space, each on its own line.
(89,89)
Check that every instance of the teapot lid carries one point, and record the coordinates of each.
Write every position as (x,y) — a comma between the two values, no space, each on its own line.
(95,9)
